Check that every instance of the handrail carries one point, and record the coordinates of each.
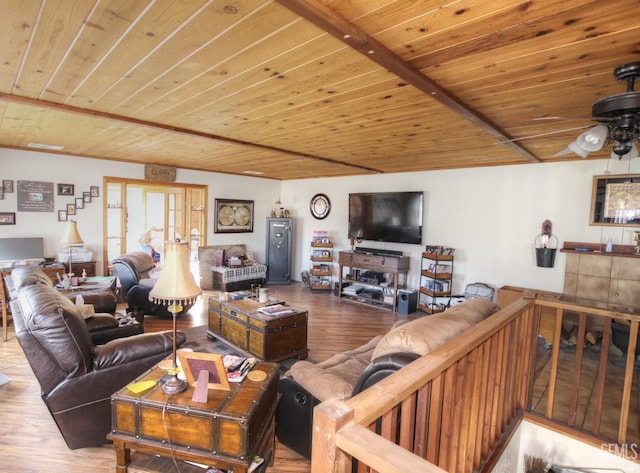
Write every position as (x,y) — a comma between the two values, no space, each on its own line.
(452,409)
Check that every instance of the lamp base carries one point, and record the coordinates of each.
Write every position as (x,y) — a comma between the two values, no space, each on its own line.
(174,385)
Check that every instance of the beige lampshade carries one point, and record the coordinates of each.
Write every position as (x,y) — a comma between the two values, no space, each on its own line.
(176,285)
(71,236)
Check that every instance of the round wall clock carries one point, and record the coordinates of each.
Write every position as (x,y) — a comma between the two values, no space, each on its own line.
(320,206)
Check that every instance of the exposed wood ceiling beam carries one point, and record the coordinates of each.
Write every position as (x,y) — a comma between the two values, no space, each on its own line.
(173,129)
(329,21)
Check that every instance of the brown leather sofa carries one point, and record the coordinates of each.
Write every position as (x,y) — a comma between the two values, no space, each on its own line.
(77,378)
(346,374)
(105,325)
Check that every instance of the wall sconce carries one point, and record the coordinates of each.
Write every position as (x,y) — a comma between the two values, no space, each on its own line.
(546,245)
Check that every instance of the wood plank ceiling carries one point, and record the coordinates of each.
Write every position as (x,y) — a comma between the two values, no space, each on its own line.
(295,89)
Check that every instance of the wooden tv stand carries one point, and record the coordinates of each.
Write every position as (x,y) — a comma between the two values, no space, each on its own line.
(395,268)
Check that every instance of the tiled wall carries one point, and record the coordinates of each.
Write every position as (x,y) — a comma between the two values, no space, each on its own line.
(611,282)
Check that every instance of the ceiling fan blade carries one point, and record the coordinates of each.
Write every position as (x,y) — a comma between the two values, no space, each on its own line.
(560,118)
(539,135)
(596,119)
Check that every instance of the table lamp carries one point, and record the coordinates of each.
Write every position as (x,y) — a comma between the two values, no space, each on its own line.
(70,239)
(175,288)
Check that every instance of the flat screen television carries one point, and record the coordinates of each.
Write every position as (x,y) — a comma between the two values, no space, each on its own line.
(386,216)
(12,249)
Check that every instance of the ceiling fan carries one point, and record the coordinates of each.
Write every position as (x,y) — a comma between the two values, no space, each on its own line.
(619,120)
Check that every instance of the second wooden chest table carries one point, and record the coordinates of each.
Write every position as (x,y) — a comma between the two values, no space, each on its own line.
(226,432)
(267,337)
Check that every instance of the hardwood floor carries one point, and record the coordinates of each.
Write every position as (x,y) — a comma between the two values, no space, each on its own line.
(30,441)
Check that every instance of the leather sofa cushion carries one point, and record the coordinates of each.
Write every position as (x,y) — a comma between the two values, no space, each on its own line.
(141,261)
(422,335)
(22,276)
(336,376)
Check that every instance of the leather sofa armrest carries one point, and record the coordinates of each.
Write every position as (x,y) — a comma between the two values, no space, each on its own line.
(124,350)
(102,300)
(382,367)
(101,322)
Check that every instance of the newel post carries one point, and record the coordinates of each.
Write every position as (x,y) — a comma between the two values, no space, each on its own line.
(328,418)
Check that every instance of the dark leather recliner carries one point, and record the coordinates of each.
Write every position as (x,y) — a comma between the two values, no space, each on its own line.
(77,378)
(134,272)
(105,325)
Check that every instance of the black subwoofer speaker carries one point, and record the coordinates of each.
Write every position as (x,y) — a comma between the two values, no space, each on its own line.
(407,302)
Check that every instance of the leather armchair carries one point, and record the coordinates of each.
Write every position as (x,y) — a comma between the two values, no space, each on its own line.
(134,270)
(77,378)
(105,325)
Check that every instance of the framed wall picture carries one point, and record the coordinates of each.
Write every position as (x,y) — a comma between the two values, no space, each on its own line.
(94,191)
(194,362)
(7,218)
(66,189)
(86,197)
(35,196)
(62,215)
(71,209)
(79,203)
(233,216)
(615,200)
(7,185)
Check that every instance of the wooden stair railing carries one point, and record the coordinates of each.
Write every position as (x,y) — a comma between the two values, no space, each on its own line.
(601,377)
(455,408)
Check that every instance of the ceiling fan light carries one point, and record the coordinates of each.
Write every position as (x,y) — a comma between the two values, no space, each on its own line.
(579,150)
(594,139)
(624,151)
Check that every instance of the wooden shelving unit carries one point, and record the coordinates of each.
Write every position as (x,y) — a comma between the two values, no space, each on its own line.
(436,275)
(321,266)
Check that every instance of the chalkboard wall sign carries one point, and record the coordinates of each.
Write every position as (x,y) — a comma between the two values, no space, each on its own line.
(34,196)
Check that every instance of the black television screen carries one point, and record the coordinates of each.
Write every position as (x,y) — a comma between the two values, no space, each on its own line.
(386,216)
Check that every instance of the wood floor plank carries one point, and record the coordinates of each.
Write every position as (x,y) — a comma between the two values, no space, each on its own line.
(30,441)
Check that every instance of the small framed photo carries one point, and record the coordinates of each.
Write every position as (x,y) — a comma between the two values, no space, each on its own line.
(1,193)
(71,209)
(95,191)
(79,203)
(7,218)
(86,197)
(7,185)
(62,215)
(194,362)
(66,189)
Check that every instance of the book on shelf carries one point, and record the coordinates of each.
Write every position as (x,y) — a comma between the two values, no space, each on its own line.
(320,236)
(275,309)
(439,268)
(439,250)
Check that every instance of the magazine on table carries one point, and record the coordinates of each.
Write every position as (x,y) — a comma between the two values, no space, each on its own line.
(240,373)
(276,309)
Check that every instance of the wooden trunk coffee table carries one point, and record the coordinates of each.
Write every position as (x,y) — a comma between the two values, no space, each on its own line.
(267,337)
(225,432)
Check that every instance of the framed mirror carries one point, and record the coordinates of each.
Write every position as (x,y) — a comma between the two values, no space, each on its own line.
(615,200)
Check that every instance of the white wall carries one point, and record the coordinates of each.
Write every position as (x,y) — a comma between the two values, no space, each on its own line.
(490,215)
(83,173)
(560,450)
